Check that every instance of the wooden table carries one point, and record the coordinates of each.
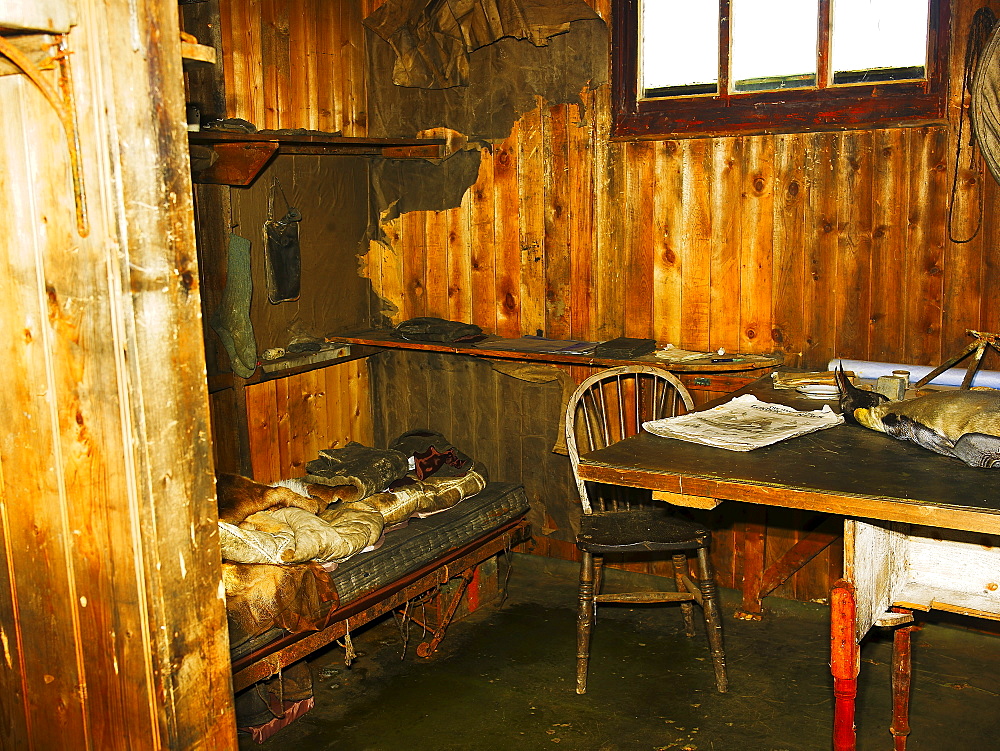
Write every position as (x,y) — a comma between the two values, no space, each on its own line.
(846,470)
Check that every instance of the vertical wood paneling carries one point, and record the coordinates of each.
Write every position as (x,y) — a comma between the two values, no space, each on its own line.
(295,64)
(482,247)
(639,289)
(854,250)
(669,243)
(557,242)
(878,276)
(695,259)
(757,217)
(435,245)
(925,244)
(112,630)
(788,262)
(726,237)
(506,218)
(38,294)
(582,225)
(821,251)
(459,262)
(531,224)
(293,418)
(415,258)
(613,238)
(890,196)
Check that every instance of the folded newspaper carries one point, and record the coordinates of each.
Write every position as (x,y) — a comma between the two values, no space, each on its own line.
(743,424)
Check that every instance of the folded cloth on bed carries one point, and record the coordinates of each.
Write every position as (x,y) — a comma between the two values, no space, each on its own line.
(368,469)
(292,535)
(432,454)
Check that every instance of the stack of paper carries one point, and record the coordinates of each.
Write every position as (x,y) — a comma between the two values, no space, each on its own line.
(675,354)
(786,380)
(744,424)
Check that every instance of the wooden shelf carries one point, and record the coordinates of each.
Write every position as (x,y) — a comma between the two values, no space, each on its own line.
(240,157)
(699,375)
(197,53)
(295,366)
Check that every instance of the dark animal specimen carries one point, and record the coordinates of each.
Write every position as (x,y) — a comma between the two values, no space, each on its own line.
(964,424)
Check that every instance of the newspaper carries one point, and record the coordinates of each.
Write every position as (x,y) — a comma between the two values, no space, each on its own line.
(743,424)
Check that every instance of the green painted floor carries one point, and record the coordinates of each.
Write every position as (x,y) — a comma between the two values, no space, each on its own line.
(504,679)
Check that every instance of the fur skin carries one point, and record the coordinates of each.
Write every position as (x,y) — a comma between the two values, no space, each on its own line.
(239,497)
(950,414)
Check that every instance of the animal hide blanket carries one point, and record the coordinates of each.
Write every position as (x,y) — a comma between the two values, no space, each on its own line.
(260,597)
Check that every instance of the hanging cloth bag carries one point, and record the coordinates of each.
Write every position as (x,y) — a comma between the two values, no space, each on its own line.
(282,258)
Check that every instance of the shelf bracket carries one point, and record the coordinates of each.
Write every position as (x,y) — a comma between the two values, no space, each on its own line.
(234,163)
(65,106)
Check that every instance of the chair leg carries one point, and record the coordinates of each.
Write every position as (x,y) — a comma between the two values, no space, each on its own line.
(713,618)
(901,672)
(598,575)
(687,608)
(585,620)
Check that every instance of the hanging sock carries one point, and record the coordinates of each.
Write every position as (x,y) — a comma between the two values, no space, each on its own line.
(231,320)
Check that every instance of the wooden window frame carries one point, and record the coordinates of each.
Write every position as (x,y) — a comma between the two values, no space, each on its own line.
(786,111)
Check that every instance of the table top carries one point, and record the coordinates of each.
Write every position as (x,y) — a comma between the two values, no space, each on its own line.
(846,470)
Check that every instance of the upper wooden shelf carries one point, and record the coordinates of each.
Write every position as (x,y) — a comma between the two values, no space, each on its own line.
(240,157)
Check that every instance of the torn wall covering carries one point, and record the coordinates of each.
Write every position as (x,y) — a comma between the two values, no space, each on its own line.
(474,66)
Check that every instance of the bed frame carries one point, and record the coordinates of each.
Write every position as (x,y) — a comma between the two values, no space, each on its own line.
(458,563)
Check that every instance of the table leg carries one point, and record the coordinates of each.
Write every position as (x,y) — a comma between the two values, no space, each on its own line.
(754,535)
(901,672)
(844,664)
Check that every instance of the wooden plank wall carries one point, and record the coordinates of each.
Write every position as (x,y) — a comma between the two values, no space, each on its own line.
(295,63)
(292,418)
(813,245)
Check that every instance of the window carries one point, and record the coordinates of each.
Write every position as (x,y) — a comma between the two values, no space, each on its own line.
(701,67)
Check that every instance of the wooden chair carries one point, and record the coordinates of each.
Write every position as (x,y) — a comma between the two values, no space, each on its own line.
(606,408)
(890,570)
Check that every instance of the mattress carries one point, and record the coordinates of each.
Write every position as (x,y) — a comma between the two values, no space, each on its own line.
(418,543)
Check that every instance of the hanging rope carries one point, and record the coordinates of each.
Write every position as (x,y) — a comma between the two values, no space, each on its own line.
(979,32)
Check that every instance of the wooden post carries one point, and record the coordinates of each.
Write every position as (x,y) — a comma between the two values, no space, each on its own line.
(111,605)
(844,664)
(901,676)
(754,539)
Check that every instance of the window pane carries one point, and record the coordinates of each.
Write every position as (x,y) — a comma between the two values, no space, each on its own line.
(879,40)
(773,44)
(679,47)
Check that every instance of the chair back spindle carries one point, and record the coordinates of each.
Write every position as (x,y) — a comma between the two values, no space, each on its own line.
(610,406)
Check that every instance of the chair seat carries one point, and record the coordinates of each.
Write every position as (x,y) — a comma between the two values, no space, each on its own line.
(638,530)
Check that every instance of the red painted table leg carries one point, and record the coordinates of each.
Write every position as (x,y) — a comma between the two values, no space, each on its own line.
(901,671)
(844,664)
